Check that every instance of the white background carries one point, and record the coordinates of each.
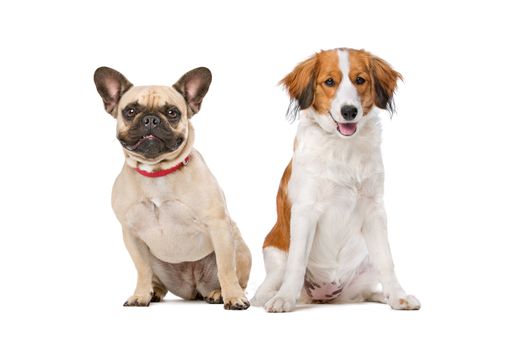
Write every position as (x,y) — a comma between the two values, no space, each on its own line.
(453,156)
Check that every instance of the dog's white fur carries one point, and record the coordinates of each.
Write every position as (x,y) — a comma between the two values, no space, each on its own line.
(338,229)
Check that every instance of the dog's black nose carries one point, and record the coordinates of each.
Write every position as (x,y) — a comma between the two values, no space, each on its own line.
(150,121)
(349,112)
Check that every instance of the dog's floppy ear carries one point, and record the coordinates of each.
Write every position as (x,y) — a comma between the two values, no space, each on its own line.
(193,86)
(111,85)
(384,82)
(300,84)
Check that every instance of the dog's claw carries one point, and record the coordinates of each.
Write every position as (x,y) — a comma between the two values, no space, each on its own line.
(135,304)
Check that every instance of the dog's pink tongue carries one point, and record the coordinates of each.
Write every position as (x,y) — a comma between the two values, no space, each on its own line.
(347,129)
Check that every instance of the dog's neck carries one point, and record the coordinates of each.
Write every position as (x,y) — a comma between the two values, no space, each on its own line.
(167,163)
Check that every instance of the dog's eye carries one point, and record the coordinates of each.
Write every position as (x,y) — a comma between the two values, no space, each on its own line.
(359,81)
(173,112)
(129,112)
(329,82)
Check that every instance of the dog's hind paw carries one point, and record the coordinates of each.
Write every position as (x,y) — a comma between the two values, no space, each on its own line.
(214,297)
(408,302)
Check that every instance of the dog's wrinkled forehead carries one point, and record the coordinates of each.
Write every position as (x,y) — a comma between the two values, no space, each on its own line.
(153,97)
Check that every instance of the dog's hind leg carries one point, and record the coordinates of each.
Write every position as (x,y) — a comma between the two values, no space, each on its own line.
(159,290)
(207,281)
(275,264)
(365,287)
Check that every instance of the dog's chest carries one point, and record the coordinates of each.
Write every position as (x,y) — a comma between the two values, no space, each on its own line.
(338,247)
(343,179)
(172,230)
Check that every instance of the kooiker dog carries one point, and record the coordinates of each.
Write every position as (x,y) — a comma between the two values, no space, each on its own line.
(173,213)
(330,240)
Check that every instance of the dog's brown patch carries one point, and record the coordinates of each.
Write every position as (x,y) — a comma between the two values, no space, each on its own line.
(328,68)
(279,236)
(360,68)
(384,81)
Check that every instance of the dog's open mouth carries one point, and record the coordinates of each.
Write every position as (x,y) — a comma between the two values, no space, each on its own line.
(143,139)
(347,129)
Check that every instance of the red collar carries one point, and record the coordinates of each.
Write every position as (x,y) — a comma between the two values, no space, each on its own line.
(165,171)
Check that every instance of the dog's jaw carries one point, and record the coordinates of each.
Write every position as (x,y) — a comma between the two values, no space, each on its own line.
(164,161)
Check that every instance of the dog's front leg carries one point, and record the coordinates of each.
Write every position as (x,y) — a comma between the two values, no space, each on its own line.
(224,246)
(303,220)
(140,255)
(375,234)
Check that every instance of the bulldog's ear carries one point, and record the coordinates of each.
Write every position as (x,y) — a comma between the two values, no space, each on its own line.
(300,84)
(193,86)
(385,82)
(111,85)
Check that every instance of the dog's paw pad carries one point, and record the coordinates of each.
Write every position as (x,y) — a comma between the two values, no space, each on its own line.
(214,297)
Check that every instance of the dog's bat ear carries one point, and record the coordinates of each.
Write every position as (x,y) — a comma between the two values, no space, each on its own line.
(193,86)
(384,82)
(111,85)
(300,84)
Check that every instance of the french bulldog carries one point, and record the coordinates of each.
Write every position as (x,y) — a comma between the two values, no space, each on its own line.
(174,219)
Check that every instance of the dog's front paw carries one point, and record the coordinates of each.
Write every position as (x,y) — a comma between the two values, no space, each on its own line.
(236,303)
(407,302)
(139,300)
(280,304)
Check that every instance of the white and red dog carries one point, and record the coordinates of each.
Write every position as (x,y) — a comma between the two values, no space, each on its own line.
(330,240)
